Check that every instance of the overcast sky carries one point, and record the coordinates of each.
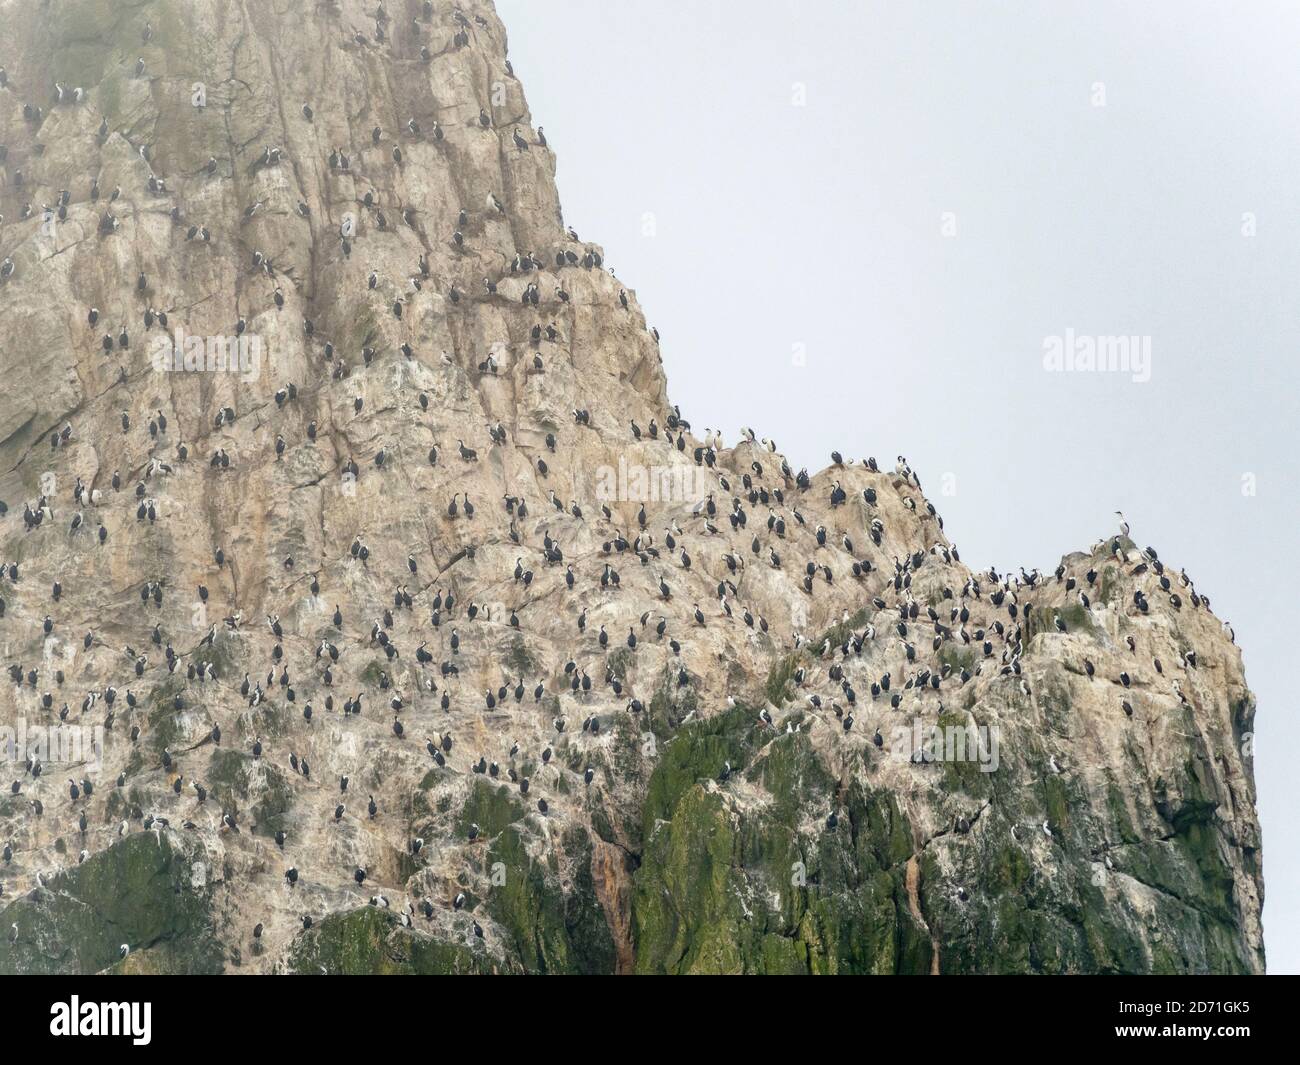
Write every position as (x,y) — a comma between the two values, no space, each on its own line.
(861,225)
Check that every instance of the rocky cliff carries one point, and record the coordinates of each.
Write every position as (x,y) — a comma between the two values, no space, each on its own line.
(368,607)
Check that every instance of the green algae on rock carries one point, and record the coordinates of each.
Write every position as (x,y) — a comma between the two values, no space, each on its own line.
(146,891)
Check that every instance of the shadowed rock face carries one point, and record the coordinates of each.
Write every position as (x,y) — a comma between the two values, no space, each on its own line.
(353,246)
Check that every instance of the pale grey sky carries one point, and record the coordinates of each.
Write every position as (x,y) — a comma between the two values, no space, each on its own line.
(777,173)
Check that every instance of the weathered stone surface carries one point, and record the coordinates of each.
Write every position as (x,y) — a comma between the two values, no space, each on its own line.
(1102,842)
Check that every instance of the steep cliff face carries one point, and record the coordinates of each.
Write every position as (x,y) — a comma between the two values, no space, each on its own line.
(442,488)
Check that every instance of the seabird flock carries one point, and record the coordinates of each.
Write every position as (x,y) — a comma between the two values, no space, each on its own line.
(725,576)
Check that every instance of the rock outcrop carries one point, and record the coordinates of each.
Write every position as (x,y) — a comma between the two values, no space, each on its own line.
(608,695)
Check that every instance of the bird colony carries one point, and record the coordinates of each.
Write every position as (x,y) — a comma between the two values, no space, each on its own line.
(332,645)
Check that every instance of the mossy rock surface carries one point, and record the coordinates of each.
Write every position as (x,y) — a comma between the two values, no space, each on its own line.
(253,789)
(144,891)
(772,889)
(701,750)
(370,942)
(1077,619)
(671,704)
(777,689)
(490,806)
(553,927)
(1029,902)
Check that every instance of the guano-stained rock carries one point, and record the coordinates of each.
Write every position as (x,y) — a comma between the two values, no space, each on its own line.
(387,262)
